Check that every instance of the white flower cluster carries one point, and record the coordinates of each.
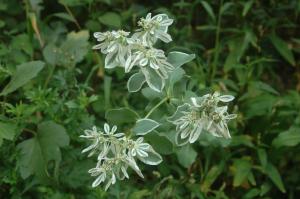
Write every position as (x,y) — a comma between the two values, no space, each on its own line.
(116,153)
(203,113)
(137,50)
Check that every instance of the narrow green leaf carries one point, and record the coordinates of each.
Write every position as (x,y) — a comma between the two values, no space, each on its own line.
(211,177)
(283,49)
(274,175)
(65,16)
(287,138)
(144,126)
(263,158)
(247,7)
(209,10)
(24,73)
(243,168)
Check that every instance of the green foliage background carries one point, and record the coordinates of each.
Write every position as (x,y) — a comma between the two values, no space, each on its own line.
(249,49)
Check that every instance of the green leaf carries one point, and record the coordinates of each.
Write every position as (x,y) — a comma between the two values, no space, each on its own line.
(160,143)
(121,115)
(111,19)
(209,10)
(74,48)
(135,82)
(287,138)
(247,7)
(52,54)
(263,158)
(7,131)
(283,49)
(177,59)
(274,175)
(144,126)
(35,153)
(186,156)
(211,177)
(242,170)
(23,74)
(65,16)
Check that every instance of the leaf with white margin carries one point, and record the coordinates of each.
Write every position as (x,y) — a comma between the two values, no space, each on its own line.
(179,112)
(136,82)
(177,59)
(153,157)
(226,98)
(144,126)
(153,80)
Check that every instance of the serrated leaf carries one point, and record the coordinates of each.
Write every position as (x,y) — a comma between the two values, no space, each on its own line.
(144,126)
(274,175)
(35,153)
(283,49)
(121,115)
(177,59)
(135,82)
(23,74)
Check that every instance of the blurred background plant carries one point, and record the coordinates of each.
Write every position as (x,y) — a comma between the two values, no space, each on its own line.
(249,49)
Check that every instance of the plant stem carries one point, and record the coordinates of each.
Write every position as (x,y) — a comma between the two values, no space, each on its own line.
(217,44)
(49,76)
(71,14)
(156,106)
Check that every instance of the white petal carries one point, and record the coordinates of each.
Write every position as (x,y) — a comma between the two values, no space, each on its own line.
(226,98)
(106,128)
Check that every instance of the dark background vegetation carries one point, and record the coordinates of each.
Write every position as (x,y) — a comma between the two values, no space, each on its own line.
(249,49)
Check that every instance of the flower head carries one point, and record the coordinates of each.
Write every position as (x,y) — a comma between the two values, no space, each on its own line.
(115,45)
(202,114)
(116,154)
(153,28)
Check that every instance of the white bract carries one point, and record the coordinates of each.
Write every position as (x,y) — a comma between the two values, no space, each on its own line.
(116,153)
(202,114)
(137,50)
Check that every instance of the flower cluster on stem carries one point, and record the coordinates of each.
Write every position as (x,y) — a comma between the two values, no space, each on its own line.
(115,153)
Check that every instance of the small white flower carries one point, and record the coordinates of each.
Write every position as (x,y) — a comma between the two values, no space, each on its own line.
(115,45)
(202,114)
(116,154)
(139,148)
(153,28)
(152,57)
